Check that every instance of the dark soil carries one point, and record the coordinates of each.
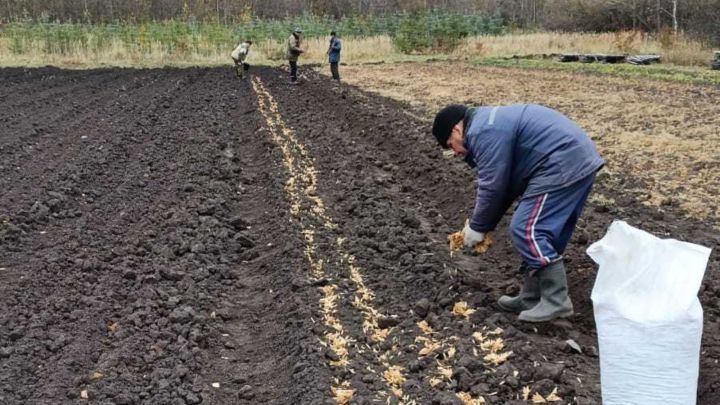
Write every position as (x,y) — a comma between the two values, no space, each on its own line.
(148,253)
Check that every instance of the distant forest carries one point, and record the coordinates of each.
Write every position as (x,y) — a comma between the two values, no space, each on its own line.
(699,18)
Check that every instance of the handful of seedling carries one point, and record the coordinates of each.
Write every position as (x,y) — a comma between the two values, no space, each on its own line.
(457,242)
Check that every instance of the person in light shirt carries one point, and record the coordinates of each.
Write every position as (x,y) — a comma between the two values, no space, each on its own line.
(239,55)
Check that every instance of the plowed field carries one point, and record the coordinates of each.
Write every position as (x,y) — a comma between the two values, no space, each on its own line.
(179,237)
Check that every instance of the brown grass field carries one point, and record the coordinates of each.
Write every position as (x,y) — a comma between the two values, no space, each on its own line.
(675,50)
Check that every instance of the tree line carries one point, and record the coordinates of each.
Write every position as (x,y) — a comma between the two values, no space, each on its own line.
(700,18)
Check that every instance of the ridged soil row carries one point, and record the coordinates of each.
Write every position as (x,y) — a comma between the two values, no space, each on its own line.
(325,252)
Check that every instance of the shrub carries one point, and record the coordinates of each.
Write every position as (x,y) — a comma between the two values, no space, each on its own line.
(423,32)
(666,38)
(625,41)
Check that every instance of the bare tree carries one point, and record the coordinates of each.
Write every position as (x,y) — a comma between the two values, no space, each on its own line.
(698,17)
(674,16)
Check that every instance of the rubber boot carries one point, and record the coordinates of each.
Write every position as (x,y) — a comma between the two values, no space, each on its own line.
(529,296)
(554,300)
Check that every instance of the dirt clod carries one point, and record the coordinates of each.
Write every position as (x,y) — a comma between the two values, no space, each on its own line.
(387,322)
(422,307)
(6,352)
(182,314)
(191,398)
(246,392)
(549,371)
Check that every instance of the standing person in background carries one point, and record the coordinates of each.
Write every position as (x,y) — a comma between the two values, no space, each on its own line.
(334,55)
(294,50)
(238,56)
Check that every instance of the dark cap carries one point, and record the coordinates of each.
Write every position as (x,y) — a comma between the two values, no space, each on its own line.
(445,120)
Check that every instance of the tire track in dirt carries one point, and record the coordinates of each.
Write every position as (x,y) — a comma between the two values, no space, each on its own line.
(309,209)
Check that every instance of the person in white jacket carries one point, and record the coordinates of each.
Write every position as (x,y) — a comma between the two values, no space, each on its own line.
(238,56)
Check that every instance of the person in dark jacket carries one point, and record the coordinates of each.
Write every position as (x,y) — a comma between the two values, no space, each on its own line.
(540,157)
(294,49)
(334,55)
